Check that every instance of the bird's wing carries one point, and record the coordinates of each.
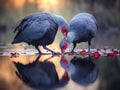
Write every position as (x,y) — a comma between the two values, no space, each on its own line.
(19,25)
(34,30)
(91,26)
(27,20)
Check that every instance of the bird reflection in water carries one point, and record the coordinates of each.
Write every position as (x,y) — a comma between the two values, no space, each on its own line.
(82,70)
(40,75)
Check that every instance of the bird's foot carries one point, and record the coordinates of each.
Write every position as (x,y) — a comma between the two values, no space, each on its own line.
(89,53)
(72,51)
(56,53)
(38,53)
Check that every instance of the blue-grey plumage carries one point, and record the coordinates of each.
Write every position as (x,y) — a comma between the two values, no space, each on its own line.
(86,72)
(82,28)
(40,75)
(40,29)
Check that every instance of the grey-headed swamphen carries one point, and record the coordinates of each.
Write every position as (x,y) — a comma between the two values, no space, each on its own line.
(40,29)
(82,28)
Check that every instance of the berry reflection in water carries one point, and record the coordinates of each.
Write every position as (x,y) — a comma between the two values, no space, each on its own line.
(40,75)
(82,71)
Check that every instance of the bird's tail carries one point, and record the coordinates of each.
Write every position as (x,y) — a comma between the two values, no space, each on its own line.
(15,41)
(12,42)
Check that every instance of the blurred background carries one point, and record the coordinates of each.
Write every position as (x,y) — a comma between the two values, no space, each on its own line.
(107,13)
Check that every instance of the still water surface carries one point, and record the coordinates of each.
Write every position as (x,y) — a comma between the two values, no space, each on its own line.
(90,75)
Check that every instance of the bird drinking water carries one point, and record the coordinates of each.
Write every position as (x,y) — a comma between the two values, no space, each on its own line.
(40,29)
(82,28)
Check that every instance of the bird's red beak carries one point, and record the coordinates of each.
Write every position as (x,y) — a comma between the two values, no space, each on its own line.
(64,31)
(65,45)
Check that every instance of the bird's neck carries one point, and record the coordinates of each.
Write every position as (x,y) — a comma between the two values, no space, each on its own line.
(70,37)
(60,21)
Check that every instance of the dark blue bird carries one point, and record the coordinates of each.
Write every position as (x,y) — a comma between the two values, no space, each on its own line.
(82,29)
(40,29)
(82,71)
(40,75)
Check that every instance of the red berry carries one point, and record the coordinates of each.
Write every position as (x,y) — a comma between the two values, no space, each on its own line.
(112,55)
(13,54)
(96,55)
(70,53)
(83,53)
(115,52)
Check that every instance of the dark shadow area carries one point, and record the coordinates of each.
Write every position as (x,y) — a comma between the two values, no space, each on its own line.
(109,73)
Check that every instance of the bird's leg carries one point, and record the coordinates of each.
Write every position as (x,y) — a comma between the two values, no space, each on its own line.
(53,53)
(38,49)
(89,44)
(74,45)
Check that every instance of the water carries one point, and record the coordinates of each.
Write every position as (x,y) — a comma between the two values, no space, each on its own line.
(98,74)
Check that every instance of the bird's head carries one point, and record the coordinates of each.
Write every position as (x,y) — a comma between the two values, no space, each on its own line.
(64,30)
(63,45)
(65,42)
